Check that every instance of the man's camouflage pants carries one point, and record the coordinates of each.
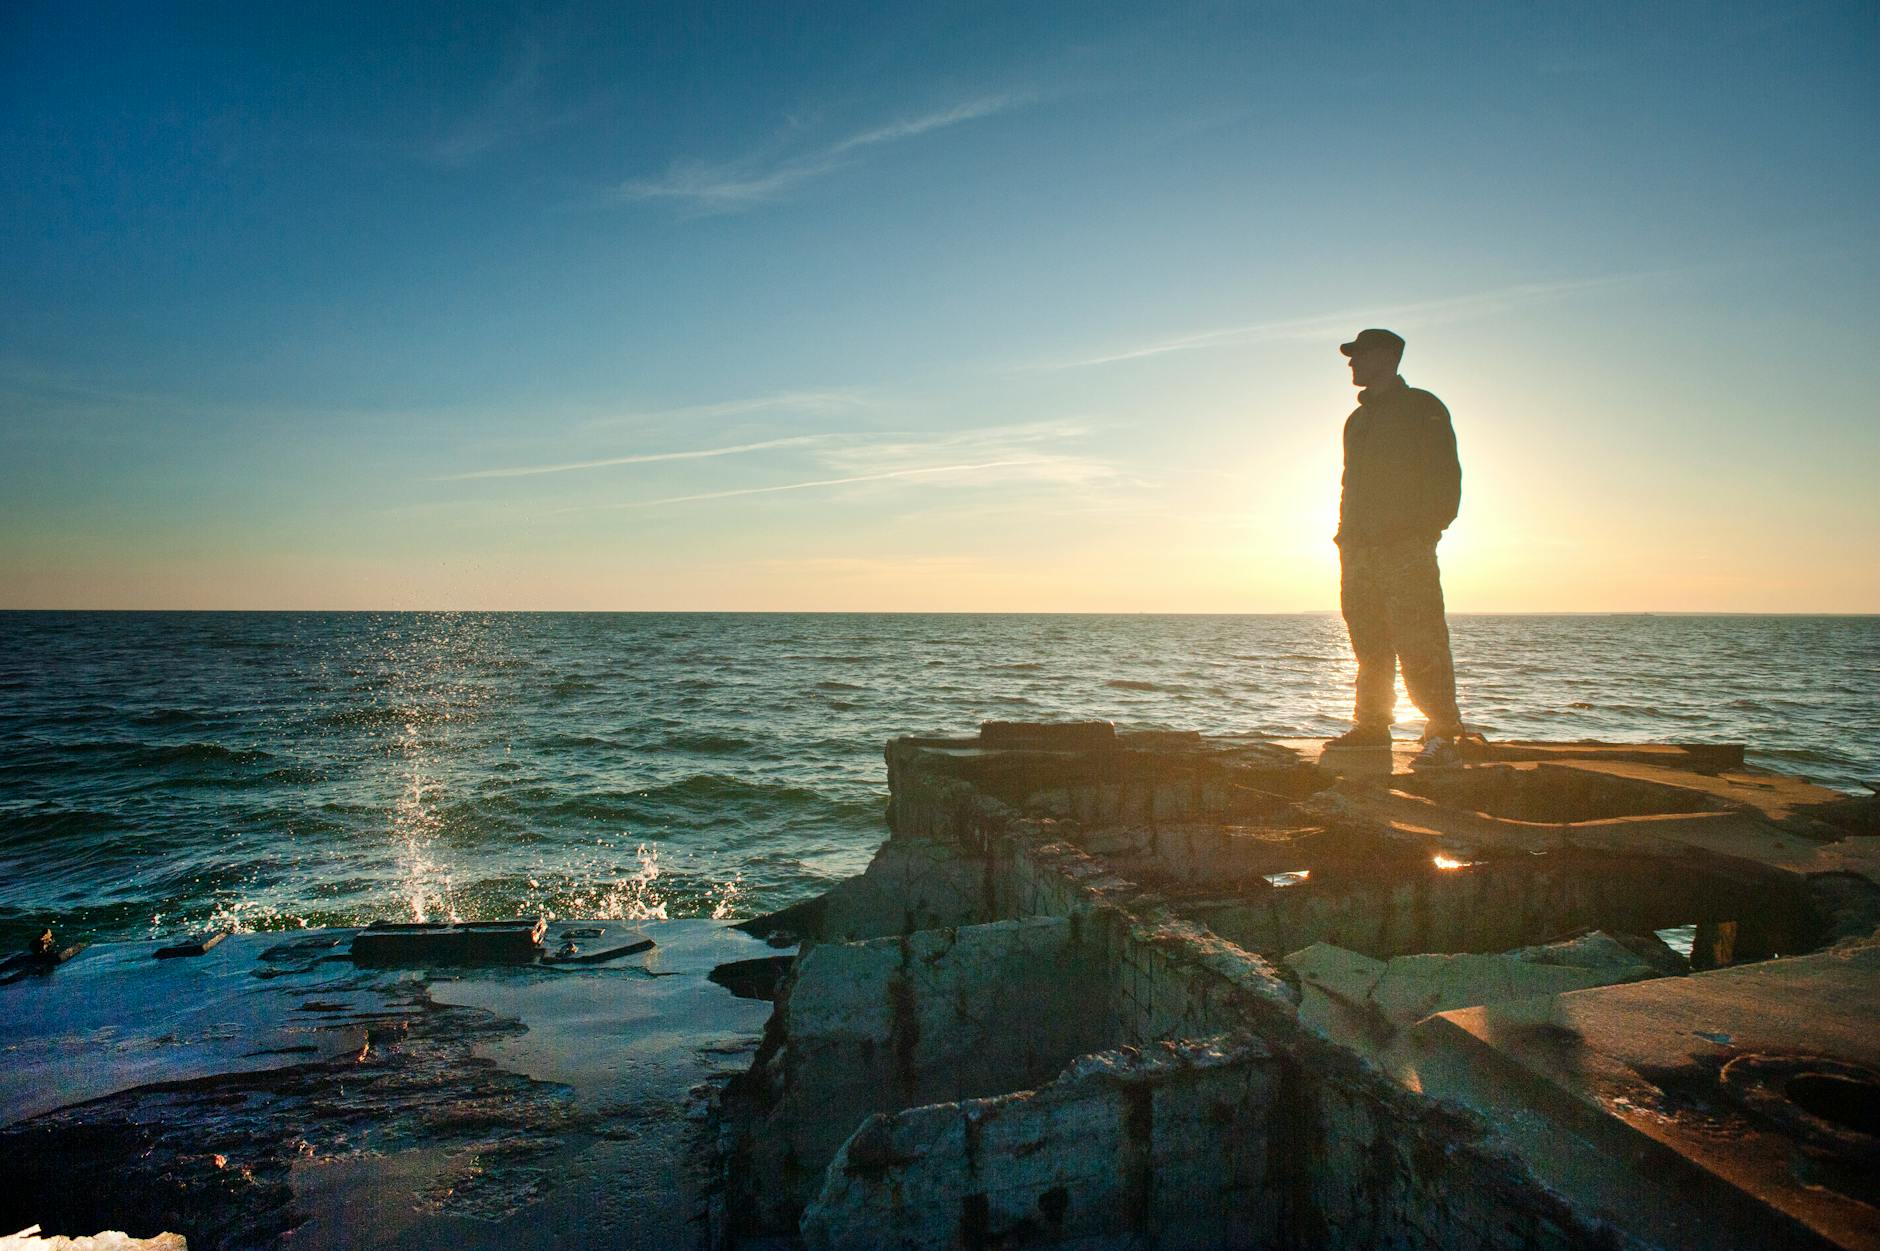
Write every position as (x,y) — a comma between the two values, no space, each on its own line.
(1392,597)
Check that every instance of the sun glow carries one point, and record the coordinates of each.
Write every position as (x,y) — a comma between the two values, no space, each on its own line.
(1450,862)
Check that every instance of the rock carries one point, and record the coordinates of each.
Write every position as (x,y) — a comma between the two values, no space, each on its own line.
(938,1015)
(571,954)
(1095,1158)
(1632,956)
(1415,986)
(1336,971)
(1405,989)
(1048,736)
(41,956)
(472,942)
(911,884)
(753,979)
(110,1240)
(195,947)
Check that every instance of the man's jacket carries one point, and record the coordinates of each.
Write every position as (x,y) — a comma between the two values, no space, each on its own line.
(1402,479)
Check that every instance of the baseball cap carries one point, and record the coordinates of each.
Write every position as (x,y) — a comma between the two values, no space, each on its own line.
(1369,340)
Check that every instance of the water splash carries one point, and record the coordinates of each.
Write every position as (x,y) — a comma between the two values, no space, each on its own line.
(245,916)
(725,897)
(633,897)
(424,883)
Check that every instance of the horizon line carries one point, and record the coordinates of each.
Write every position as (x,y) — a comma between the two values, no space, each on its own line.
(955,612)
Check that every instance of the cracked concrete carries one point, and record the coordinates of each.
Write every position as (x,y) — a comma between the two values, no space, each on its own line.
(1316,917)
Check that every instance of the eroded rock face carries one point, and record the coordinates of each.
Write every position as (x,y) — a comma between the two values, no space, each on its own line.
(1180,870)
(911,884)
(1167,1144)
(936,1016)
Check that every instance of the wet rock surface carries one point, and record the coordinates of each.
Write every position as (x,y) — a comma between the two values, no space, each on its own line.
(272,1093)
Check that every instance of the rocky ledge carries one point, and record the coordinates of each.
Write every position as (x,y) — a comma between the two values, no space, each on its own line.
(1160,990)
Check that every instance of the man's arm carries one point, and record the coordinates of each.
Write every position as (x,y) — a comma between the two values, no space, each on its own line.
(1439,472)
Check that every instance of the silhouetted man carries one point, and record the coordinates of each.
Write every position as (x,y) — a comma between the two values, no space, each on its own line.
(1402,485)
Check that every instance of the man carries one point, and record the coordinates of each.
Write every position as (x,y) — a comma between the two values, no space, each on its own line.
(1401,487)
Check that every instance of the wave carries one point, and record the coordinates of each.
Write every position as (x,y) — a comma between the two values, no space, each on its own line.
(55,822)
(705,743)
(161,717)
(719,789)
(541,813)
(576,742)
(135,754)
(287,775)
(1802,755)
(1132,684)
(206,753)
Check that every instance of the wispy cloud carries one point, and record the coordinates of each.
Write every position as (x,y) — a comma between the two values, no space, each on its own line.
(814,401)
(530,471)
(1034,455)
(1041,446)
(1345,321)
(514,108)
(925,471)
(728,186)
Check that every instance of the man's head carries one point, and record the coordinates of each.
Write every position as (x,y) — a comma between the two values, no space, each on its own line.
(1375,355)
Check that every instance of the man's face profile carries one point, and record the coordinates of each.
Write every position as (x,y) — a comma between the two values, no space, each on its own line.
(1371,366)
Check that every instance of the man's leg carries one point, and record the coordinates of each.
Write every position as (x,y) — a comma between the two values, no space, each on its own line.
(1361,598)
(1413,600)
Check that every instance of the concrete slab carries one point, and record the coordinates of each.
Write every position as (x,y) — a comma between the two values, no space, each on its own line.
(1366,1003)
(1746,1091)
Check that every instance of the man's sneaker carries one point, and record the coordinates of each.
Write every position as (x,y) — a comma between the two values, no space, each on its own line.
(1437,753)
(1361,736)
(1468,742)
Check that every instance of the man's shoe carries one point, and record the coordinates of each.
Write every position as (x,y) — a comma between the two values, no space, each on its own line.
(1437,753)
(1362,736)
(1468,742)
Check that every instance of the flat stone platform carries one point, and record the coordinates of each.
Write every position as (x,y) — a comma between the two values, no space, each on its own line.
(1754,1080)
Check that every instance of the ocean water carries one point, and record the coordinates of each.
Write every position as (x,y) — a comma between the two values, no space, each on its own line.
(164,771)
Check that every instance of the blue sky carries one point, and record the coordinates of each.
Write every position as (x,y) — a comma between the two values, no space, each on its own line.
(950,307)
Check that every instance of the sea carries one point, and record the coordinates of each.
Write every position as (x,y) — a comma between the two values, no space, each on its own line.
(164,773)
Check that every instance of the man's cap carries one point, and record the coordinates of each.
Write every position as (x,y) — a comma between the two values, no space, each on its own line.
(1370,340)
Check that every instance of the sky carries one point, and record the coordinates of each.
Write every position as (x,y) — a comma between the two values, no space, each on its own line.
(936,307)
